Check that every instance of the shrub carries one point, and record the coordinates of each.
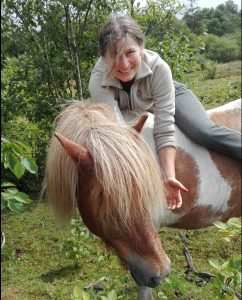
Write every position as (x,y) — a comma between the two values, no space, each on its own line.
(228,277)
(211,69)
(221,49)
(15,157)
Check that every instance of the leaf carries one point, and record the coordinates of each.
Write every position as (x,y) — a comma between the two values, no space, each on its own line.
(101,258)
(215,264)
(10,161)
(112,295)
(7,184)
(77,292)
(11,190)
(22,197)
(15,206)
(19,170)
(17,149)
(220,225)
(29,164)
(161,295)
(84,296)
(227,239)
(23,146)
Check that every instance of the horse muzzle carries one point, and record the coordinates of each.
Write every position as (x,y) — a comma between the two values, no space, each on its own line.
(144,277)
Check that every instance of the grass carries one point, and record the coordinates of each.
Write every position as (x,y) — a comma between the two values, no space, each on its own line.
(34,264)
(225,87)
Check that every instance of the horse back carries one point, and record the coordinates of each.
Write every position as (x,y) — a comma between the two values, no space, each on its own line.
(213,179)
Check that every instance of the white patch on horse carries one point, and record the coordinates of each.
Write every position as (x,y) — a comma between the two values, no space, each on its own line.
(213,187)
(236,104)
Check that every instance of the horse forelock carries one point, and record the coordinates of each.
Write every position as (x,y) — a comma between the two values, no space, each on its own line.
(125,168)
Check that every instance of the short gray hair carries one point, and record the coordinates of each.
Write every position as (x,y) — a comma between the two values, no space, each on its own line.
(117,28)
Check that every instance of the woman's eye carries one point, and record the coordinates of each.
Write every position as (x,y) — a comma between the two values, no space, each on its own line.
(130,52)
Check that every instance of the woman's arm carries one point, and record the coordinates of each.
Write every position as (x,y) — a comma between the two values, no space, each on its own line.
(167,156)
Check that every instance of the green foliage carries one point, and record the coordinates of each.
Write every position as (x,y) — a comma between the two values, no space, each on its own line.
(228,277)
(167,36)
(232,229)
(75,247)
(225,18)
(15,157)
(195,21)
(222,49)
(79,294)
(111,296)
(228,274)
(211,68)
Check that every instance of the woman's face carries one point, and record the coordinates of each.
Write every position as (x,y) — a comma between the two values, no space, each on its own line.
(128,60)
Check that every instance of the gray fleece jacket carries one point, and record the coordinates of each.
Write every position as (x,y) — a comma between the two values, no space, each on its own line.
(152,90)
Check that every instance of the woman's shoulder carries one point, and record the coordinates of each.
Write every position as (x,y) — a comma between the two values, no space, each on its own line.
(153,59)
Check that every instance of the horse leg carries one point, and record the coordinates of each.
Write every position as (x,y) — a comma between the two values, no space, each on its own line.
(144,293)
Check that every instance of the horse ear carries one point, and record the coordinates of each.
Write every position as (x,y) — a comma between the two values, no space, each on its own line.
(139,125)
(77,152)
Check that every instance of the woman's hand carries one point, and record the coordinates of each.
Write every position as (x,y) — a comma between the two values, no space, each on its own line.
(173,186)
(173,190)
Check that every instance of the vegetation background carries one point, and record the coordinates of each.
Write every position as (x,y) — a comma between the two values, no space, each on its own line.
(48,49)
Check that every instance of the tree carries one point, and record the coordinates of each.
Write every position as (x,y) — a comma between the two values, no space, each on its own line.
(214,26)
(225,18)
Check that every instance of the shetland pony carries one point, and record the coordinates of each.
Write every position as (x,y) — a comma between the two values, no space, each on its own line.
(110,172)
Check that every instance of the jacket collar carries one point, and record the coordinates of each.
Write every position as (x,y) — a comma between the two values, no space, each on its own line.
(143,72)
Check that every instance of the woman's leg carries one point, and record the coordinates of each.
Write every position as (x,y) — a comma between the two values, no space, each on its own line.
(192,119)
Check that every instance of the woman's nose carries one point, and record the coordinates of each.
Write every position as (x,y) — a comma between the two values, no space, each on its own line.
(123,62)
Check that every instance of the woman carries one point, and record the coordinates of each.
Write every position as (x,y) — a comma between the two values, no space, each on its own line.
(129,77)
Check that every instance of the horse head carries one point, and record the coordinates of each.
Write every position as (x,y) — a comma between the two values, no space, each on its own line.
(117,187)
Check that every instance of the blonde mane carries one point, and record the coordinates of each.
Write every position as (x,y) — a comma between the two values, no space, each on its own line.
(123,164)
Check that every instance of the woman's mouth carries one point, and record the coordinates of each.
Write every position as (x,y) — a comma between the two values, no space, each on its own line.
(125,71)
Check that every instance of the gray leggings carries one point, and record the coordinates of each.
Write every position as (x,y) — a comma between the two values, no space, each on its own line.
(192,119)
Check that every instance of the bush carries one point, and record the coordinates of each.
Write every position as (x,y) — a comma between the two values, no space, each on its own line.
(211,70)
(222,49)
(228,274)
(23,130)
(15,157)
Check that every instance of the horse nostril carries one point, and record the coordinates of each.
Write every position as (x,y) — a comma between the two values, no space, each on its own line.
(154,281)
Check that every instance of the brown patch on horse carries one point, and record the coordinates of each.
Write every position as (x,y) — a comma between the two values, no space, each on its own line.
(230,119)
(187,172)
(140,124)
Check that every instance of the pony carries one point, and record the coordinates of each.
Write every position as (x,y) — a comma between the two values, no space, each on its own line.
(110,172)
